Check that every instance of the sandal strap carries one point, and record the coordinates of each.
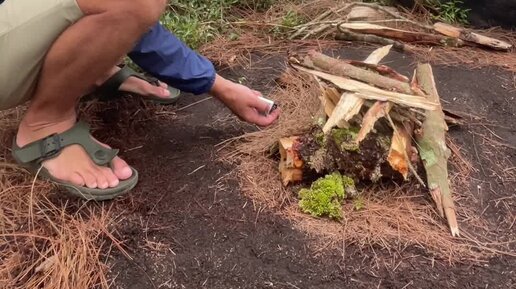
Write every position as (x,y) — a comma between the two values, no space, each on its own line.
(110,88)
(51,146)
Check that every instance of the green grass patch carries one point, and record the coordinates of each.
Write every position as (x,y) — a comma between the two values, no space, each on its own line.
(197,22)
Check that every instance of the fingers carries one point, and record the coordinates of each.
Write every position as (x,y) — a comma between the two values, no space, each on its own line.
(261,120)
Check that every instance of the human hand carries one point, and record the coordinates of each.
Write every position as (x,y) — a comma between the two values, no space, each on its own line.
(243,102)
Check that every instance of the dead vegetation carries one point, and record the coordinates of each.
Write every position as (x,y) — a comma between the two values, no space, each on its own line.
(258,35)
(49,242)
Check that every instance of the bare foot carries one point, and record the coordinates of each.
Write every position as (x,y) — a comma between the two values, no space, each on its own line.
(73,163)
(139,86)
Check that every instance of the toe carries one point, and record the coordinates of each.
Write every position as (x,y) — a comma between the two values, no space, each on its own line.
(110,177)
(89,179)
(163,92)
(77,180)
(121,169)
(102,181)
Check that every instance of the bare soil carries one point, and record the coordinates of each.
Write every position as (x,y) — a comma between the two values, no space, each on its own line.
(187,225)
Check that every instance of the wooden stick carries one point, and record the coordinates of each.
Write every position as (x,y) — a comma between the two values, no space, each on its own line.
(346,35)
(403,35)
(342,68)
(466,35)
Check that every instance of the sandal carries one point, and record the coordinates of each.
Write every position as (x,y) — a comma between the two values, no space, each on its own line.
(110,89)
(32,155)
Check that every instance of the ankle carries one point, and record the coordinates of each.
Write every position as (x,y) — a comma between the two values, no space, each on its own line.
(32,129)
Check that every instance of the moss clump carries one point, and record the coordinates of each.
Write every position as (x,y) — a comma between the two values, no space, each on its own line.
(325,195)
(345,138)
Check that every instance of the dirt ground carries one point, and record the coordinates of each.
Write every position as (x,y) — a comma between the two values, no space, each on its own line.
(187,225)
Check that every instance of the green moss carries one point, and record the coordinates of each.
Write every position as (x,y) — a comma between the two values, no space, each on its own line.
(319,138)
(325,195)
(345,138)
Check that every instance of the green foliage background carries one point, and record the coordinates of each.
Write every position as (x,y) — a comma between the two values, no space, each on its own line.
(197,21)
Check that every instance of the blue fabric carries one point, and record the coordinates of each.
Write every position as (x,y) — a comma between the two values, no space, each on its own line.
(164,56)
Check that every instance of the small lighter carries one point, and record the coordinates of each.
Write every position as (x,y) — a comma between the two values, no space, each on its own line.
(270,103)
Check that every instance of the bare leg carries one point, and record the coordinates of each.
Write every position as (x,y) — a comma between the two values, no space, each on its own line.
(82,54)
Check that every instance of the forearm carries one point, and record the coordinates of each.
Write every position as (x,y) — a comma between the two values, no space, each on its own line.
(167,58)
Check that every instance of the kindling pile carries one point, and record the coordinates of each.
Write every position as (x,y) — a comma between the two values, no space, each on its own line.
(375,125)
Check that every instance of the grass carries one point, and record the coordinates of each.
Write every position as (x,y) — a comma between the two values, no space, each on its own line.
(199,21)
(452,12)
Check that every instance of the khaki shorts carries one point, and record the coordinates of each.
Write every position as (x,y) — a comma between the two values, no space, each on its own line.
(27,30)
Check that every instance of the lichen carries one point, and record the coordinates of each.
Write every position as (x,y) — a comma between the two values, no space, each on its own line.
(349,186)
(345,138)
(325,195)
(384,142)
(376,174)
(358,203)
(317,160)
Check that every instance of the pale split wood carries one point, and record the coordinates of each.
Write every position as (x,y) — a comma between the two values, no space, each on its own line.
(364,13)
(349,105)
(366,91)
(376,56)
(378,110)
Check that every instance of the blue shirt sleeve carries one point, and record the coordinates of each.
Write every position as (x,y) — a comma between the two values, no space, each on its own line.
(164,56)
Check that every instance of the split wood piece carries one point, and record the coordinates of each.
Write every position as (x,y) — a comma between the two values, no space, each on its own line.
(333,94)
(364,13)
(452,31)
(349,104)
(403,35)
(376,56)
(342,68)
(379,108)
(330,98)
(290,165)
(370,92)
(381,69)
(373,60)
(400,149)
(434,152)
(346,35)
(327,102)
(375,112)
